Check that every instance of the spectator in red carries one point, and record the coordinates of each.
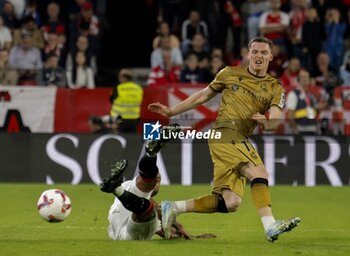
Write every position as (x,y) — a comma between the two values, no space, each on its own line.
(87,24)
(236,26)
(168,73)
(279,61)
(289,78)
(53,22)
(297,17)
(273,24)
(53,45)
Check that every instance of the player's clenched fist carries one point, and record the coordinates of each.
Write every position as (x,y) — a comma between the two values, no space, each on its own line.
(260,119)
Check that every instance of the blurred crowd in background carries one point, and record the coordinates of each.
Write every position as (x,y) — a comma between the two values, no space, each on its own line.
(58,43)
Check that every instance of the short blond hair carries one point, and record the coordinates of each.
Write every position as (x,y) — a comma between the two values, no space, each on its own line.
(260,39)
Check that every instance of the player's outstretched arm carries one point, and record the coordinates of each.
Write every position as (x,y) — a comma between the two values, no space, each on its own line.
(160,109)
(191,102)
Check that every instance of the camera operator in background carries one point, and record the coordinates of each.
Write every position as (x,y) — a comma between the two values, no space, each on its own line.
(104,124)
(126,102)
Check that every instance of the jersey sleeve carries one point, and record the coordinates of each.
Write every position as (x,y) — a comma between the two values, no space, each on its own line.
(279,97)
(218,84)
(292,101)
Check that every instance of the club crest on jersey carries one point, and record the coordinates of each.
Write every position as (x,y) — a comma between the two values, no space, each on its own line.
(235,87)
(253,155)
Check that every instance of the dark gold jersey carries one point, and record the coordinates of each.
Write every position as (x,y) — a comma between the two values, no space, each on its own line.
(244,94)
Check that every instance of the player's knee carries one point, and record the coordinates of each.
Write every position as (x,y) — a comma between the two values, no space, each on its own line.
(250,171)
(233,205)
(228,205)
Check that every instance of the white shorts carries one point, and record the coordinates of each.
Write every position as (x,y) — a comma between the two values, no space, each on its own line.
(122,227)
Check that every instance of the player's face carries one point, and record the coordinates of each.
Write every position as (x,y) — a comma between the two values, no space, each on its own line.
(259,57)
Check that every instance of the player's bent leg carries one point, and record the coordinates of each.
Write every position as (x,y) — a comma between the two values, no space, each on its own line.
(231,200)
(261,198)
(136,200)
(148,174)
(208,204)
(110,183)
(133,200)
(259,187)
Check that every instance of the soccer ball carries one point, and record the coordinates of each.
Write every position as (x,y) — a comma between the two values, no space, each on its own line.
(54,205)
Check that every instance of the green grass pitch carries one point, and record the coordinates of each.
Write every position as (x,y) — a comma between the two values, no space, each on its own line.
(324,230)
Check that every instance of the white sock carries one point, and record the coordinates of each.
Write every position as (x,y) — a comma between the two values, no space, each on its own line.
(119,191)
(179,207)
(267,221)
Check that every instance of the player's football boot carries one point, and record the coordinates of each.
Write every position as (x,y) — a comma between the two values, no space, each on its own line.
(168,218)
(279,227)
(154,146)
(116,178)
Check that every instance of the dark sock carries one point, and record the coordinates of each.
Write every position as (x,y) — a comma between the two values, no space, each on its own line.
(148,167)
(134,203)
